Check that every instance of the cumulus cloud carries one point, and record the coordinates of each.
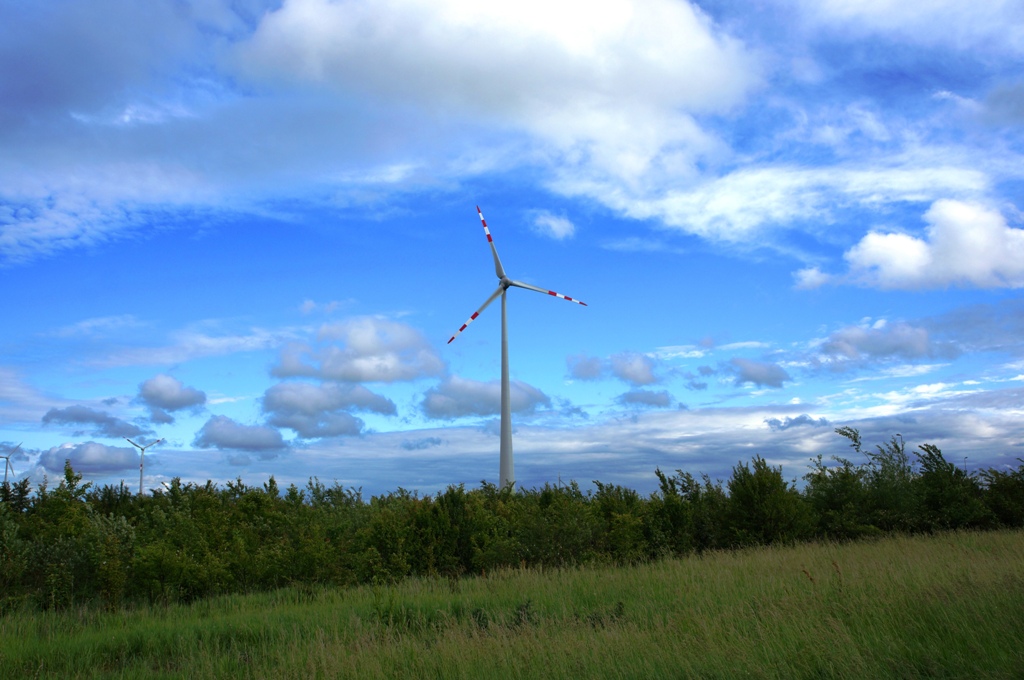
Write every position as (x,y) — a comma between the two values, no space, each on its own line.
(883,340)
(103,424)
(323,424)
(321,410)
(164,394)
(553,226)
(528,61)
(655,399)
(582,367)
(760,373)
(810,278)
(965,244)
(803,420)
(309,398)
(224,433)
(90,458)
(457,397)
(634,368)
(607,95)
(372,349)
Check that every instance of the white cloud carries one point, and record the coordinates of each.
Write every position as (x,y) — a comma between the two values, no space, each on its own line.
(745,344)
(760,373)
(553,226)
(634,368)
(102,424)
(224,433)
(311,399)
(457,397)
(608,94)
(525,60)
(965,244)
(737,206)
(810,278)
(163,393)
(649,398)
(321,410)
(90,458)
(803,420)
(373,349)
(891,340)
(680,352)
(583,367)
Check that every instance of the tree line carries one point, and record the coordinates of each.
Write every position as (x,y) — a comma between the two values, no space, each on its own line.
(78,543)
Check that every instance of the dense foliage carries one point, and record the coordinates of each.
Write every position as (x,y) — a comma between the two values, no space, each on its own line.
(77,543)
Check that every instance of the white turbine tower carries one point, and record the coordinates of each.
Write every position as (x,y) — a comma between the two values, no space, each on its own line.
(7,461)
(142,456)
(507,476)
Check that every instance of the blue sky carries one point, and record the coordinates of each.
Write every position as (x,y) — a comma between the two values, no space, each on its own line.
(249,228)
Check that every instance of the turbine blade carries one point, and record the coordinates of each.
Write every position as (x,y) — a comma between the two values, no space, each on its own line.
(520,284)
(498,269)
(494,296)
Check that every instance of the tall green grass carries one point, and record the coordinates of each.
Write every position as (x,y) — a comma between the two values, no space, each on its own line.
(948,605)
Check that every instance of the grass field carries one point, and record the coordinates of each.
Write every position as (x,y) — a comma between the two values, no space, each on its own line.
(945,606)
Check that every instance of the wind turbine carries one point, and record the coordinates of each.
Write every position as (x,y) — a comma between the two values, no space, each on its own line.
(7,461)
(142,456)
(507,476)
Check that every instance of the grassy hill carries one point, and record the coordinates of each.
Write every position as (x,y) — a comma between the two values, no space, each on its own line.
(946,605)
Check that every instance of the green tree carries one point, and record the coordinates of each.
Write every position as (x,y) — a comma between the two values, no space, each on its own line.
(838,499)
(889,479)
(1004,494)
(950,498)
(762,507)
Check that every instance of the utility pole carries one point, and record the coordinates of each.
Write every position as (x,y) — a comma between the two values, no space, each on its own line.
(142,457)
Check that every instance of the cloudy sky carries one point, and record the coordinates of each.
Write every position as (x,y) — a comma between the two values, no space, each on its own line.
(249,228)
